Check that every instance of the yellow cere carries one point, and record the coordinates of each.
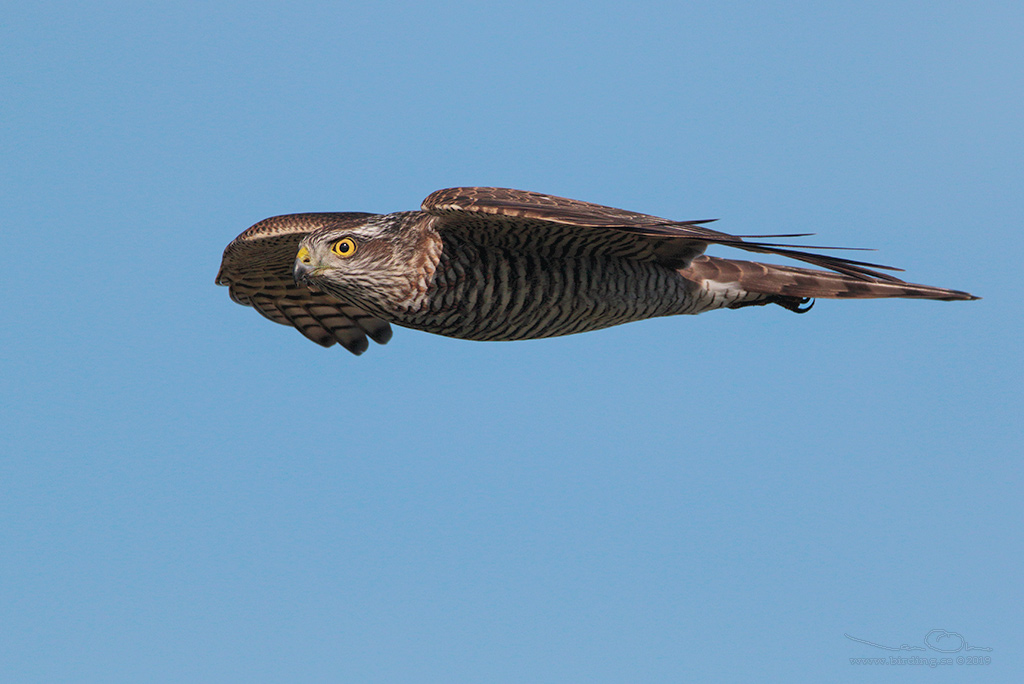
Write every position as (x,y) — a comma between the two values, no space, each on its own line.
(303,255)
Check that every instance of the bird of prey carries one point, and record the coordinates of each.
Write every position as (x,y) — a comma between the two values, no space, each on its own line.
(502,264)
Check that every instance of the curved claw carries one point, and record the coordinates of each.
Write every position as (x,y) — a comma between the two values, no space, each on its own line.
(798,307)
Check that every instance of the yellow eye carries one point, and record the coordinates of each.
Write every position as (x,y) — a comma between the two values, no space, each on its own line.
(344,247)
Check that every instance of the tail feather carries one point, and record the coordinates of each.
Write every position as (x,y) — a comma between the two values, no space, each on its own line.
(787,285)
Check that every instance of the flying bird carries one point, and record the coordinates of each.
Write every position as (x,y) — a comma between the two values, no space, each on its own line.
(502,264)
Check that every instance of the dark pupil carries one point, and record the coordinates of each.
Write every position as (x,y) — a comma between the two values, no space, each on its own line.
(343,247)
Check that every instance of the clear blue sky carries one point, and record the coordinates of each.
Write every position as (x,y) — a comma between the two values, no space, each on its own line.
(191,493)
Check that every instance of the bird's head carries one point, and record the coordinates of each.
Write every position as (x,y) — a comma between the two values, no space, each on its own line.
(381,263)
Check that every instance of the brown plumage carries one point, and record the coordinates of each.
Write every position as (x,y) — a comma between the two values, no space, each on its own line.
(501,264)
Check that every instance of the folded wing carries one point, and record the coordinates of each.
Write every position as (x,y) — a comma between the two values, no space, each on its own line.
(626,233)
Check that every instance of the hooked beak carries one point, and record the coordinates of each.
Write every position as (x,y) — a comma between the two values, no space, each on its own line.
(303,266)
(301,271)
